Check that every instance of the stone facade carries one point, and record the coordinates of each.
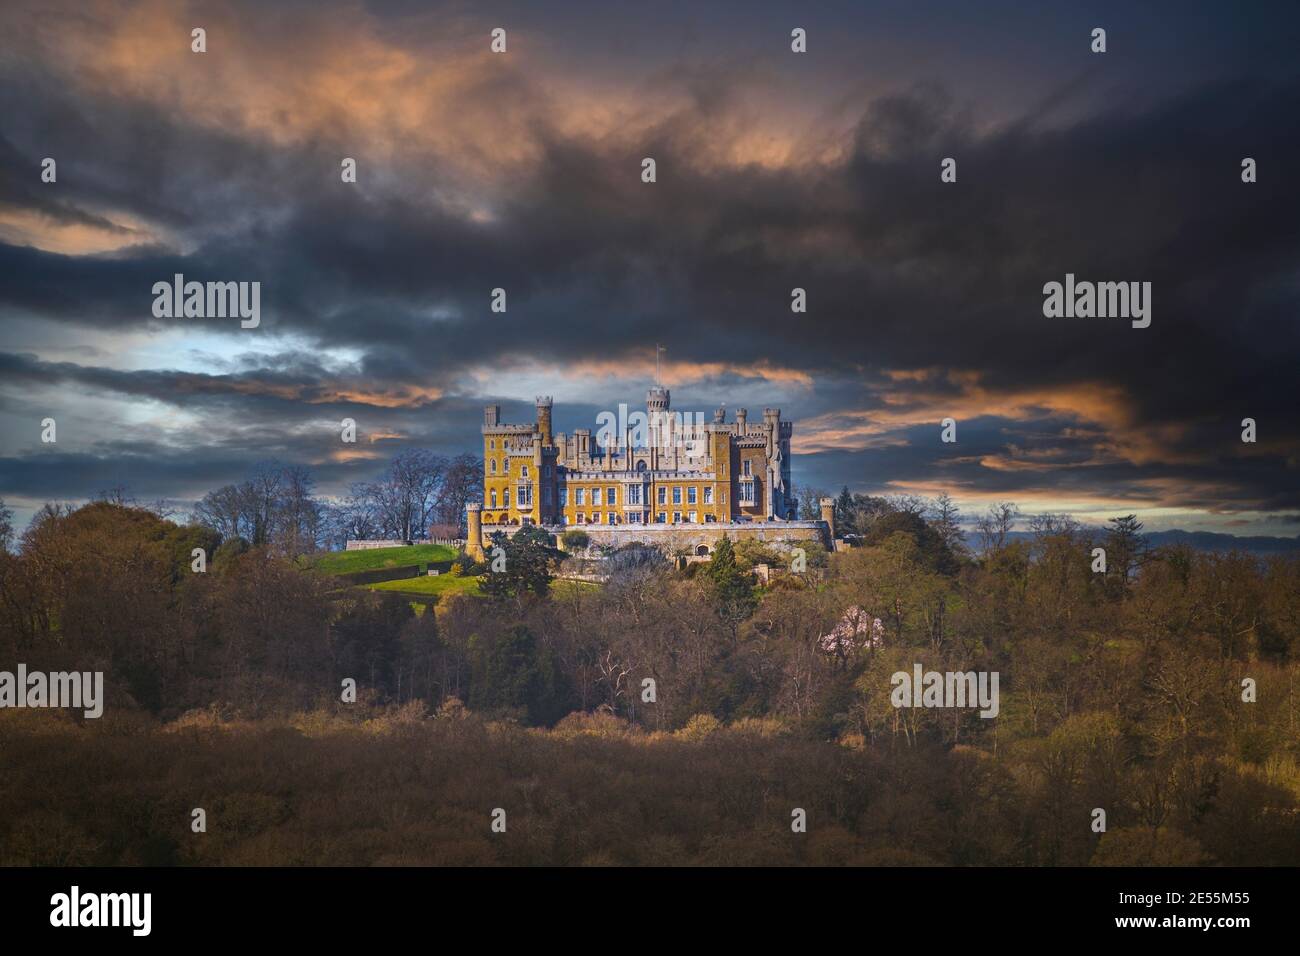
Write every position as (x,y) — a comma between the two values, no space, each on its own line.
(659,467)
(660,477)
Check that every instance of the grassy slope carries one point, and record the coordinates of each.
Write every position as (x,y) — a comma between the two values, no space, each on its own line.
(440,584)
(346,562)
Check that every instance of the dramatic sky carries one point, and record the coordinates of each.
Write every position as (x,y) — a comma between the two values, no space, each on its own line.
(775,170)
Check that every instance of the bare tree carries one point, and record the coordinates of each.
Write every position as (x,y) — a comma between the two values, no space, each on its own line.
(404,495)
(221,510)
(996,524)
(462,483)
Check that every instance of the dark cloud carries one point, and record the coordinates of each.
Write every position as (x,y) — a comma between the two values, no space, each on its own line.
(1096,176)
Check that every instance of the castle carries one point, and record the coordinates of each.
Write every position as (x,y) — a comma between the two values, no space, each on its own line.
(642,477)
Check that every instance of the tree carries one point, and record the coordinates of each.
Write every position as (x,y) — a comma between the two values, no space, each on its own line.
(299,516)
(810,502)
(6,527)
(404,495)
(528,557)
(462,483)
(996,524)
(844,510)
(932,550)
(512,671)
(945,519)
(1125,548)
(732,589)
(576,539)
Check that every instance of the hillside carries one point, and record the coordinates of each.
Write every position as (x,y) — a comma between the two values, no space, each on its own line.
(349,562)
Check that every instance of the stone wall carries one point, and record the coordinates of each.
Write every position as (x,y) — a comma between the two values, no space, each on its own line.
(689,538)
(371,545)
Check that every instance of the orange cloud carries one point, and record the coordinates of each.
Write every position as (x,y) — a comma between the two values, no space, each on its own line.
(911,397)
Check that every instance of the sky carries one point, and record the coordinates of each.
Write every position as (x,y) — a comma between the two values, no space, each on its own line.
(775,170)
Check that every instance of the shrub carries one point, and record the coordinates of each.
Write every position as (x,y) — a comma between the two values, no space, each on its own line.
(576,539)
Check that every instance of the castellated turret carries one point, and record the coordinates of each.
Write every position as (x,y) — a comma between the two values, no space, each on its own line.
(657,399)
(672,473)
(544,403)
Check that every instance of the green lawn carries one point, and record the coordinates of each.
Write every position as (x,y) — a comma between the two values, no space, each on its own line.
(439,584)
(567,587)
(346,562)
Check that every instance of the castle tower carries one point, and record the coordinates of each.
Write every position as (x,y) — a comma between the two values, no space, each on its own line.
(657,399)
(474,531)
(544,403)
(828,516)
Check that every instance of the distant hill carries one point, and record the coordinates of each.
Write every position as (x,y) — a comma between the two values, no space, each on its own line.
(1213,541)
(1199,540)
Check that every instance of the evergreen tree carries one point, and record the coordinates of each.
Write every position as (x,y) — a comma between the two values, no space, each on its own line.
(1125,548)
(844,510)
(731,586)
(527,567)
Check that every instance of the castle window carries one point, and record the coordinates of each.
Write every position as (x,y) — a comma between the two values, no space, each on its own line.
(746,471)
(505,498)
(633,495)
(693,518)
(595,497)
(708,494)
(523,471)
(610,498)
(525,496)
(691,493)
(579,496)
(494,497)
(661,518)
(564,496)
(546,494)
(677,517)
(595,518)
(747,493)
(663,495)
(492,463)
(677,494)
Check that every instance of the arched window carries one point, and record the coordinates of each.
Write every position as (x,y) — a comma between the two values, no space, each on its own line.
(494,497)
(492,464)
(640,465)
